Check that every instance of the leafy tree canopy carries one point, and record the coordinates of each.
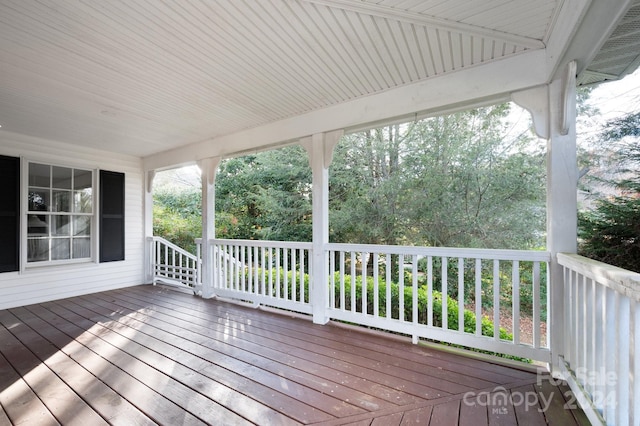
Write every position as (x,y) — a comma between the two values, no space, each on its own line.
(456,180)
(177,217)
(266,196)
(611,231)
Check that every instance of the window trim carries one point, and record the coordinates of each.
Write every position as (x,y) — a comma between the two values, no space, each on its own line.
(24,214)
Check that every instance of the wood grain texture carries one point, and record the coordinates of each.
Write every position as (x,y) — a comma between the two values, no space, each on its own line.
(149,354)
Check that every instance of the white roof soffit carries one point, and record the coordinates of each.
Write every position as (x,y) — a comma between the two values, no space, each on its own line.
(619,54)
(174,82)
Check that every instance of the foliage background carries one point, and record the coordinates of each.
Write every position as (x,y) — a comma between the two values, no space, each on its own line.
(461,180)
(610,230)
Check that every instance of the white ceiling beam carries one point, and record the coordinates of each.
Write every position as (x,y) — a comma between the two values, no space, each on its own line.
(465,87)
(429,21)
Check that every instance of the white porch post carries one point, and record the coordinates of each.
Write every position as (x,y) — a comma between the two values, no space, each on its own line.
(562,204)
(553,109)
(320,149)
(148,225)
(208,168)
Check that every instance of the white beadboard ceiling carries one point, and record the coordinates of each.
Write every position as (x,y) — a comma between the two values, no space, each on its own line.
(142,77)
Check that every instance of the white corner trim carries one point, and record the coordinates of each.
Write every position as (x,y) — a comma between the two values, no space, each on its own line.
(569,83)
(151,174)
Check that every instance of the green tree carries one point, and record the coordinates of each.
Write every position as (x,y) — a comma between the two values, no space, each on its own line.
(177,216)
(453,180)
(611,231)
(366,187)
(266,196)
(480,189)
(235,210)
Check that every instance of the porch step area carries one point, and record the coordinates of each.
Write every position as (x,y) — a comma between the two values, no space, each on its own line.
(172,282)
(151,355)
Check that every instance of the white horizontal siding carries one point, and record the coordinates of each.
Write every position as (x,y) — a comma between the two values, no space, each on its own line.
(55,282)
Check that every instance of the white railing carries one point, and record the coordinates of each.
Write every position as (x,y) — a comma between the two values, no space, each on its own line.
(477,282)
(276,274)
(272,273)
(602,339)
(173,265)
(505,289)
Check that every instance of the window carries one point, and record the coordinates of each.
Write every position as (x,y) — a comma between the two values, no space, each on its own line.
(59,213)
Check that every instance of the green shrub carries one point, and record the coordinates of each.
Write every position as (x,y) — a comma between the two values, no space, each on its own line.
(487,326)
(286,286)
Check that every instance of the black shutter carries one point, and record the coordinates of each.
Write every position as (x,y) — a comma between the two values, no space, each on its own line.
(111,216)
(9,213)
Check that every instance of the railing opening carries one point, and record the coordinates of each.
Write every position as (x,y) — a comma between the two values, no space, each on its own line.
(172,265)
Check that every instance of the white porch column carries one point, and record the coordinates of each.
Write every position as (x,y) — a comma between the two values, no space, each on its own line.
(553,109)
(208,168)
(148,225)
(320,149)
(562,204)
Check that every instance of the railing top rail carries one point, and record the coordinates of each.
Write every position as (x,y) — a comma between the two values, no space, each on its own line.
(174,247)
(499,254)
(522,255)
(621,280)
(261,243)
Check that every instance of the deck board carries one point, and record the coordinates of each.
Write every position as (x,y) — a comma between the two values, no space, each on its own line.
(297,363)
(4,418)
(181,386)
(149,354)
(472,414)
(231,356)
(52,391)
(318,335)
(419,416)
(161,349)
(446,414)
(102,398)
(530,412)
(462,367)
(133,388)
(18,400)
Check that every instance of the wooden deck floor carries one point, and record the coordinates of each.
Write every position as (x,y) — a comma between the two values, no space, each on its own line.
(148,355)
